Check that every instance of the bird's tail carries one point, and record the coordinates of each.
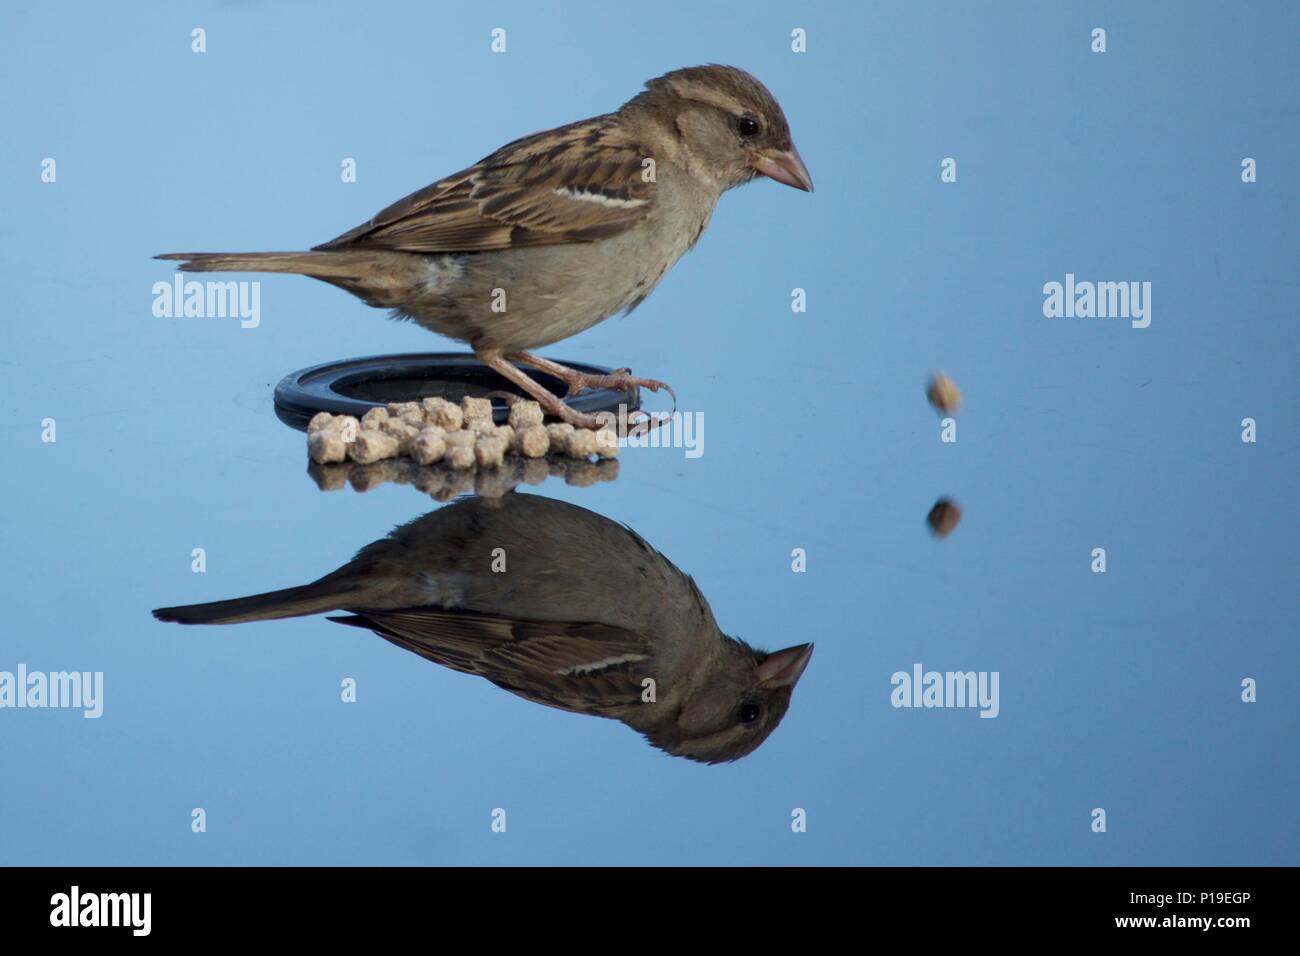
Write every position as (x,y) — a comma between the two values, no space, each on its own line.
(315,598)
(321,265)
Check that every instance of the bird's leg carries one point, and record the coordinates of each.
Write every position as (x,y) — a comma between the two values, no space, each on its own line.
(551,404)
(578,381)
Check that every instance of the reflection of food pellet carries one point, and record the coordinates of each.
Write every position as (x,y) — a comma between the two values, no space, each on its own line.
(943,517)
(525,413)
(476,409)
(532,441)
(428,446)
(535,471)
(444,414)
(325,446)
(581,443)
(372,445)
(943,393)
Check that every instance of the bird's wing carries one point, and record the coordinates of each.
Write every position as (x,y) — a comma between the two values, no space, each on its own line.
(578,183)
(583,667)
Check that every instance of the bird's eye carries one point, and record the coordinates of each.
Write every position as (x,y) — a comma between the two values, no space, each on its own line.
(747,125)
(749,713)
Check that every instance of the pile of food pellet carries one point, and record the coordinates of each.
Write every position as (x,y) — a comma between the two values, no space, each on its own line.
(462,436)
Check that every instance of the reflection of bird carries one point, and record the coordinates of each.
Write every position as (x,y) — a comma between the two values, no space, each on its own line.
(559,230)
(583,617)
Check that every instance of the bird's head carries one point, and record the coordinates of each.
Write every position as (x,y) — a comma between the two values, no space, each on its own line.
(743,699)
(729,123)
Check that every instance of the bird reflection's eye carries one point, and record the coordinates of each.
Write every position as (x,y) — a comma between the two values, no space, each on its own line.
(748,126)
(749,713)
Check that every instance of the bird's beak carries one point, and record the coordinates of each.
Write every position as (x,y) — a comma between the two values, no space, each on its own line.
(785,166)
(784,668)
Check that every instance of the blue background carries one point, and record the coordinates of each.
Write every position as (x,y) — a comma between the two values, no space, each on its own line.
(1118,691)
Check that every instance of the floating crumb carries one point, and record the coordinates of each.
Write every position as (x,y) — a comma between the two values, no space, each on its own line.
(943,517)
(943,393)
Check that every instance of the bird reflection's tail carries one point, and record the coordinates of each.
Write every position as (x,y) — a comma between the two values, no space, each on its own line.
(323,595)
(322,265)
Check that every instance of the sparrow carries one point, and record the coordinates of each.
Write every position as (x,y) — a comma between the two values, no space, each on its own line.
(560,606)
(557,231)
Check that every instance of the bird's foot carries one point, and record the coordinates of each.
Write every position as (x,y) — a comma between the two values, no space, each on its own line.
(622,380)
(551,403)
(579,382)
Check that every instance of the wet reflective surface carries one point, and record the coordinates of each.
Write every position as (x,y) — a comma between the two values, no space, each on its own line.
(804,517)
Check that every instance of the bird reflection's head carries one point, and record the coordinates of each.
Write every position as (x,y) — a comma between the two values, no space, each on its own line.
(740,706)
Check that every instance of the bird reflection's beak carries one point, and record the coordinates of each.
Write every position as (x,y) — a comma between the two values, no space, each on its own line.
(784,668)
(785,166)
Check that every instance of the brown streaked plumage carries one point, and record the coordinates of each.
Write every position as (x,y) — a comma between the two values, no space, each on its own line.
(559,230)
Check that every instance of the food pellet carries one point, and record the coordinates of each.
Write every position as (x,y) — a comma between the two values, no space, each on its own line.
(581,443)
(372,445)
(525,413)
(444,414)
(490,452)
(402,409)
(559,433)
(532,441)
(429,445)
(460,450)
(319,421)
(460,457)
(476,409)
(346,426)
(403,431)
(325,447)
(374,417)
(607,443)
